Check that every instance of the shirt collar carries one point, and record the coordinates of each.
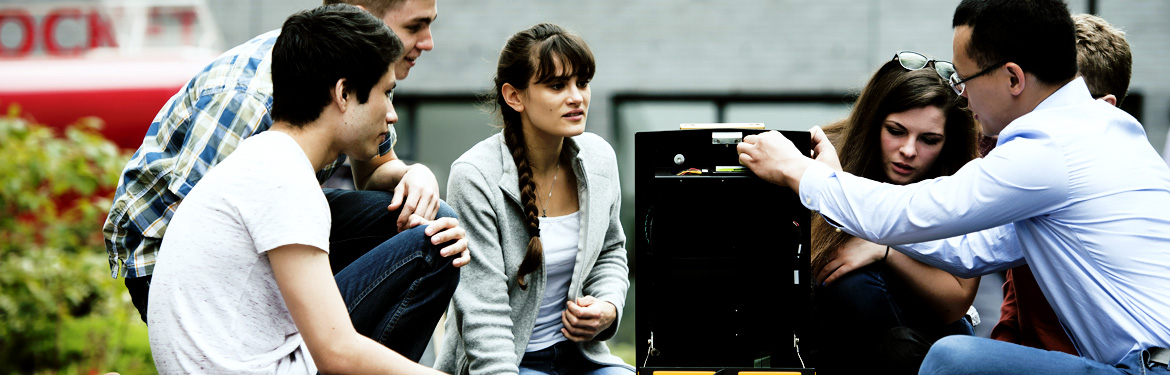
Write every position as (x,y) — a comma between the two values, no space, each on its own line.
(1073,92)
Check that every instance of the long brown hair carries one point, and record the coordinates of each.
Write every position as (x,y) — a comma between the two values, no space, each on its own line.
(893,89)
(534,54)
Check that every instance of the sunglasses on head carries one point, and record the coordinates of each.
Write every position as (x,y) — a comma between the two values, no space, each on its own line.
(911,60)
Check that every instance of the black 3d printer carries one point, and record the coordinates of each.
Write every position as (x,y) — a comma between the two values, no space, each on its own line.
(722,258)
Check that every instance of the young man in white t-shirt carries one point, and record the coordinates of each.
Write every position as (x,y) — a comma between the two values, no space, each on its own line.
(258,296)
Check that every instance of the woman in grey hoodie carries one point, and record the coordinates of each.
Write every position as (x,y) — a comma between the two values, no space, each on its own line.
(540,202)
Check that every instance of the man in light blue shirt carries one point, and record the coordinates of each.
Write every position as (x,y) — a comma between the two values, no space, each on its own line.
(1073,188)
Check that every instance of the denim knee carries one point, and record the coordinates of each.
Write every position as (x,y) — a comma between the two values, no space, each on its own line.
(854,292)
(446,211)
(431,252)
(949,354)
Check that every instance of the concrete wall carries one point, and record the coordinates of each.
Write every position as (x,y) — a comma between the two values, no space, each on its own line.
(710,46)
(720,47)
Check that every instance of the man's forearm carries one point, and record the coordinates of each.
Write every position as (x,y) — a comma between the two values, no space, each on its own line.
(385,177)
(793,172)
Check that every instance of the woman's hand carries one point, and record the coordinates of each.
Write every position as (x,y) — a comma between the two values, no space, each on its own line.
(586,317)
(853,254)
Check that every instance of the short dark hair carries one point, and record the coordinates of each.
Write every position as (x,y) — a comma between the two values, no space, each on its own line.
(316,48)
(377,7)
(1037,35)
(1103,57)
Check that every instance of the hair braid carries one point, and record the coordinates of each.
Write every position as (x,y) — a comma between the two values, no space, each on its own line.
(535,254)
(537,54)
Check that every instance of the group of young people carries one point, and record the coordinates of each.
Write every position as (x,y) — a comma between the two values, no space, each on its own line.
(240,262)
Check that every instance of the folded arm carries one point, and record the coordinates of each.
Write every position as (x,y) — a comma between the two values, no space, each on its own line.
(948,295)
(415,188)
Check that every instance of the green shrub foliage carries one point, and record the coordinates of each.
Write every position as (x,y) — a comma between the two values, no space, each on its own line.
(60,308)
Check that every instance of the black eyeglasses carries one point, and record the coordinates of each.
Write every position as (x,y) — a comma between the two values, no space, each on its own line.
(960,84)
(911,60)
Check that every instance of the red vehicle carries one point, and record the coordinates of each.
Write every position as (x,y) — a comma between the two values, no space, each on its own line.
(120,63)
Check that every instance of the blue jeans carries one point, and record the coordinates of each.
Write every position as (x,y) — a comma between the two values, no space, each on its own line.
(977,355)
(565,358)
(871,317)
(395,285)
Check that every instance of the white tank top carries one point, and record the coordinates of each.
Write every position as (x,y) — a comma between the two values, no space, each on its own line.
(558,236)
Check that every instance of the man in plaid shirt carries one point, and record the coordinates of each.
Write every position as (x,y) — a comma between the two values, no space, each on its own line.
(229,101)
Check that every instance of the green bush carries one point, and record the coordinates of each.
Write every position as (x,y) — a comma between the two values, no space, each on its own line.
(62,312)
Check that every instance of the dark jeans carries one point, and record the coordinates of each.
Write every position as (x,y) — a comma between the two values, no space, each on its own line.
(395,285)
(565,358)
(877,322)
(139,288)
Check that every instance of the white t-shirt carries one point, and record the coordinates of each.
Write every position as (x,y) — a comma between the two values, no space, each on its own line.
(215,307)
(558,237)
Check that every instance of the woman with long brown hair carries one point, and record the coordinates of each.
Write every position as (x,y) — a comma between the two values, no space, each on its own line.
(908,125)
(540,202)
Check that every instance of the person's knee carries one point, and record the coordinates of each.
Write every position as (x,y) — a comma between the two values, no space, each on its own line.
(861,279)
(949,354)
(430,251)
(853,293)
(445,210)
(417,237)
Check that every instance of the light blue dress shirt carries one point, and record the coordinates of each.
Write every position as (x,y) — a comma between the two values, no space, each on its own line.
(1074,189)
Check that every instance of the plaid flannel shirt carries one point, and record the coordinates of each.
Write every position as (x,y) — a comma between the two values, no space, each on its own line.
(196,129)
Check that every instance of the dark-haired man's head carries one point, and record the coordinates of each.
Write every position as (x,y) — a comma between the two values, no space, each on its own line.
(1103,58)
(317,48)
(411,22)
(1037,35)
(1010,55)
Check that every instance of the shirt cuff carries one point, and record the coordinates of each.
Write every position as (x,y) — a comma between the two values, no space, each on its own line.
(813,182)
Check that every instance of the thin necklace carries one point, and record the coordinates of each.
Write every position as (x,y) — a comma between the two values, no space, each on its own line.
(544,210)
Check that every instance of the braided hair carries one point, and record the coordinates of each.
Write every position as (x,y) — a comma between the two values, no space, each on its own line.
(534,55)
